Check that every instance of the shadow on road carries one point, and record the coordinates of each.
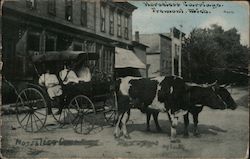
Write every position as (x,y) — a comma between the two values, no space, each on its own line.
(140,143)
(165,125)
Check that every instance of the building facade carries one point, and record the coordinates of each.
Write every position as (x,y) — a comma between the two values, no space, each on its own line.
(163,53)
(36,26)
(140,51)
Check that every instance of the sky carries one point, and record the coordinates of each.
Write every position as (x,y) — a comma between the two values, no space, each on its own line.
(226,14)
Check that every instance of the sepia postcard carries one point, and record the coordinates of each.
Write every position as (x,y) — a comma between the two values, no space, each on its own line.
(124,79)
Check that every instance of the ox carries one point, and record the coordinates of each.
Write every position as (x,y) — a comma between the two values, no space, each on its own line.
(196,103)
(163,94)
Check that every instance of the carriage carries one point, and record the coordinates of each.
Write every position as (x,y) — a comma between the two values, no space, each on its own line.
(79,108)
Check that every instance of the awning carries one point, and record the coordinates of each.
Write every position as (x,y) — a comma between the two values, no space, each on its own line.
(126,58)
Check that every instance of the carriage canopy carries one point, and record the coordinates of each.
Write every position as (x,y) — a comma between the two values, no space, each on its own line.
(64,56)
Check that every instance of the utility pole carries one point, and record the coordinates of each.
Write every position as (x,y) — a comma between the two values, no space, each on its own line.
(172,50)
(179,63)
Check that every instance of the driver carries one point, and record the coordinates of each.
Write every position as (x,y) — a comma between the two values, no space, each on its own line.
(67,75)
(54,89)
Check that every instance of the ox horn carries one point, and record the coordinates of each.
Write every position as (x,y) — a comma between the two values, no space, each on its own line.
(212,84)
(226,85)
(191,84)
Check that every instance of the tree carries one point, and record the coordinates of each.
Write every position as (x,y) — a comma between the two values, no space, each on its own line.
(210,51)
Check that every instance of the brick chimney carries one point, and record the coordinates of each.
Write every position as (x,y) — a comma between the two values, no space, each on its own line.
(137,37)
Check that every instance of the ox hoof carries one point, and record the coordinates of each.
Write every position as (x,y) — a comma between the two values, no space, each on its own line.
(197,134)
(127,137)
(148,129)
(159,129)
(186,135)
(116,136)
(174,140)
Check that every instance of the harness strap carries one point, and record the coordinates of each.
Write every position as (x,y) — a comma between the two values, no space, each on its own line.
(66,76)
(222,100)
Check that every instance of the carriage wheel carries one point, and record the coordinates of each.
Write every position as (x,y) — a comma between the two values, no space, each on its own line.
(59,117)
(81,114)
(110,105)
(31,110)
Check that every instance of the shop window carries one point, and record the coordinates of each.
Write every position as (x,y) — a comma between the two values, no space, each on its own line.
(33,42)
(77,46)
(50,44)
(90,46)
(107,61)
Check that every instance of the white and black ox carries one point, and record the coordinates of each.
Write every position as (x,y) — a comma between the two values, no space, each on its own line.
(168,94)
(197,99)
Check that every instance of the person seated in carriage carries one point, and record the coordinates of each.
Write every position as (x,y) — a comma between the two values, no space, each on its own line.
(67,75)
(71,83)
(84,73)
(53,87)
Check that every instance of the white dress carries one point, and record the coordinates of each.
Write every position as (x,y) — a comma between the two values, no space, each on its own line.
(51,82)
(84,74)
(68,76)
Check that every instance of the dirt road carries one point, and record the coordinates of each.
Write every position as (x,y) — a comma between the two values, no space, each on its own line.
(224,133)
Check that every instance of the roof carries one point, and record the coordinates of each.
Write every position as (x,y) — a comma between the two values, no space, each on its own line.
(126,58)
(135,43)
(152,41)
(125,5)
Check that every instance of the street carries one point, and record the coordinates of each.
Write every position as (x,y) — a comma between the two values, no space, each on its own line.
(224,133)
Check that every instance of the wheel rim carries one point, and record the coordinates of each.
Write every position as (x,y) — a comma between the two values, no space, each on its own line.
(110,113)
(60,118)
(81,113)
(31,110)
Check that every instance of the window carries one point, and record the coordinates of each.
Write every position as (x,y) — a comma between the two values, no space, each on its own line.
(106,60)
(164,64)
(176,67)
(84,13)
(126,27)
(68,10)
(102,18)
(119,25)
(50,44)
(31,4)
(52,7)
(90,46)
(175,50)
(77,47)
(111,21)
(179,50)
(33,42)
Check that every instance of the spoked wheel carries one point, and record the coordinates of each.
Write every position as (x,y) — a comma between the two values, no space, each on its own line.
(60,117)
(110,106)
(31,110)
(81,114)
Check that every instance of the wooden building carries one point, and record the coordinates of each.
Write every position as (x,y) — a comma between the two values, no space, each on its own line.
(163,54)
(36,26)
